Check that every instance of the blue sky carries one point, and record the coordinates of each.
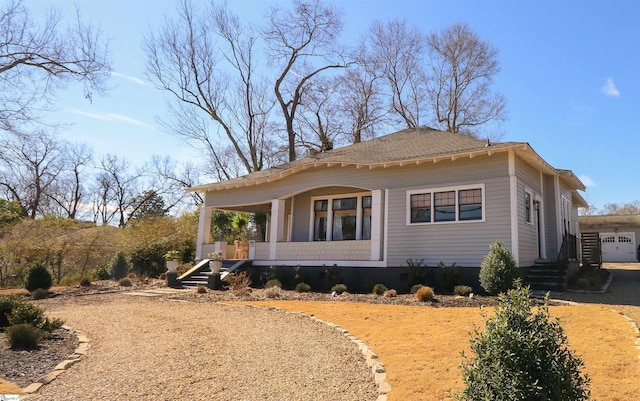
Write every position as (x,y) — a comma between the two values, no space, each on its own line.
(568,72)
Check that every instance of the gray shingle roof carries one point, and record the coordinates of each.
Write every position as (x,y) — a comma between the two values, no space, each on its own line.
(414,144)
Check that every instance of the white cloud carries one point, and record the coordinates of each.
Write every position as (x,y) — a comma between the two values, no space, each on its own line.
(130,78)
(113,117)
(610,89)
(587,181)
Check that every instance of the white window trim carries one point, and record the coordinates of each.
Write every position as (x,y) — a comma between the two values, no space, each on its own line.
(531,206)
(444,189)
(330,198)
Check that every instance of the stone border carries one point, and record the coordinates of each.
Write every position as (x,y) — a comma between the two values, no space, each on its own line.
(634,327)
(84,343)
(378,370)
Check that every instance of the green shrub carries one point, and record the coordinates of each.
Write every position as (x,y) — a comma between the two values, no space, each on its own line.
(522,356)
(303,287)
(415,288)
(40,293)
(125,282)
(24,336)
(417,271)
(85,282)
(449,275)
(119,266)
(274,282)
(462,290)
(339,288)
(390,293)
(103,272)
(6,307)
(280,273)
(38,277)
(379,289)
(498,270)
(425,294)
(15,311)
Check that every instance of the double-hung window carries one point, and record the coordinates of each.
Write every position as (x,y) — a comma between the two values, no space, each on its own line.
(345,211)
(446,205)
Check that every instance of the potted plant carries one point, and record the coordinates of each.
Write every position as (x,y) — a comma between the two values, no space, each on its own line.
(172,259)
(215,261)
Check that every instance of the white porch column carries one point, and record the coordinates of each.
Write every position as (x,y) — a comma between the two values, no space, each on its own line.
(204,230)
(377,218)
(513,190)
(276,228)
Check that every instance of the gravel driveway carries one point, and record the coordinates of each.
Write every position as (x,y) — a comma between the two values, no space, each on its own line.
(157,349)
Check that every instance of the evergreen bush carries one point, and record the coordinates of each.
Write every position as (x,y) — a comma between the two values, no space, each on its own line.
(522,356)
(498,270)
(40,293)
(125,282)
(303,287)
(379,289)
(24,336)
(415,288)
(119,266)
(462,290)
(38,277)
(339,288)
(274,282)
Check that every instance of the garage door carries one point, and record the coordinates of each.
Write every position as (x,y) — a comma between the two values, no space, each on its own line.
(618,247)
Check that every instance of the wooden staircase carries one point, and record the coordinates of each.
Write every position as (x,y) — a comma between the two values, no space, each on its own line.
(199,274)
(591,249)
(547,276)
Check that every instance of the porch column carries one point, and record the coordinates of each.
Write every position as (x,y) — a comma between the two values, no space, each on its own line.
(204,230)
(377,218)
(513,192)
(276,228)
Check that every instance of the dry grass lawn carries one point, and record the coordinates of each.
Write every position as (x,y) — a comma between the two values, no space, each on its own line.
(421,346)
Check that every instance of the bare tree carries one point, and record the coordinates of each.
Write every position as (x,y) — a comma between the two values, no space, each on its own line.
(361,97)
(302,42)
(205,60)
(36,58)
(118,187)
(29,168)
(621,208)
(69,190)
(172,180)
(462,69)
(398,53)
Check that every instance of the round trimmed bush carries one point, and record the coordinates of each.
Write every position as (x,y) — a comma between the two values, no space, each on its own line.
(274,282)
(40,293)
(498,271)
(302,287)
(379,289)
(390,294)
(339,288)
(24,336)
(415,288)
(462,290)
(38,277)
(125,282)
(425,294)
(85,282)
(201,289)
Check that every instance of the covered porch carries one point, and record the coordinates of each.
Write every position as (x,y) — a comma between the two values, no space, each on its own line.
(328,225)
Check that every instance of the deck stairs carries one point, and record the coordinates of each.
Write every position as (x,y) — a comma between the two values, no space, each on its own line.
(547,276)
(591,248)
(199,274)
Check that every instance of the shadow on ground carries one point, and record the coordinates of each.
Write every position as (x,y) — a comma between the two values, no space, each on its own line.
(623,290)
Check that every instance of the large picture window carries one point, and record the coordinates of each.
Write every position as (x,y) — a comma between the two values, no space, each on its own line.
(343,218)
(445,205)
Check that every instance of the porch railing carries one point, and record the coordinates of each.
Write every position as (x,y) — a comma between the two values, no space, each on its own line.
(569,249)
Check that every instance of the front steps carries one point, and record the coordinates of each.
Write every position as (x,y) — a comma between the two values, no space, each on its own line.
(547,276)
(200,273)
